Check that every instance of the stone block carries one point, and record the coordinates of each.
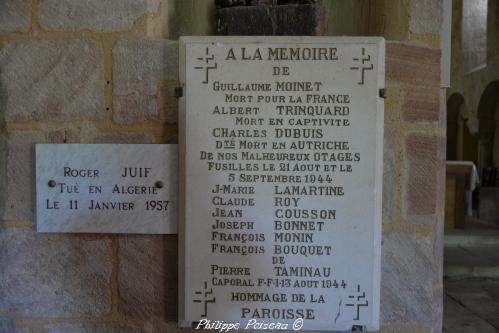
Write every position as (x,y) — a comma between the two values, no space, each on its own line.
(421,187)
(42,80)
(408,280)
(426,16)
(47,275)
(281,20)
(94,15)
(390,175)
(15,15)
(142,70)
(422,102)
(147,277)
(124,138)
(393,104)
(20,172)
(69,132)
(418,69)
(63,136)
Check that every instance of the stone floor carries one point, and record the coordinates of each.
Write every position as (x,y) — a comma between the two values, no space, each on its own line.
(471,279)
(471,305)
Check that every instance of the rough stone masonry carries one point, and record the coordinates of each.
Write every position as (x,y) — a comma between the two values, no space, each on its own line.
(104,72)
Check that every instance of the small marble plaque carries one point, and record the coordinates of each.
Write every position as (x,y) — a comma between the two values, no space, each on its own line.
(106,188)
(281,172)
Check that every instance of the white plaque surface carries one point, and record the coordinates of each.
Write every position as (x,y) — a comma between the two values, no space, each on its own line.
(106,188)
(281,174)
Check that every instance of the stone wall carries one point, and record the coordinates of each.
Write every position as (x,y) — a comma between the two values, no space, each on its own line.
(474,35)
(104,72)
(413,190)
(414,155)
(472,85)
(85,72)
(408,20)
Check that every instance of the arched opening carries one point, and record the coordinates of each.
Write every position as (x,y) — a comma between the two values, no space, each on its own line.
(469,143)
(488,129)
(454,106)
(461,143)
(462,148)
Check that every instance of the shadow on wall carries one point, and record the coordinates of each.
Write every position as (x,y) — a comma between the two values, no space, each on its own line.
(488,130)
(191,18)
(171,283)
(455,104)
(461,144)
(3,148)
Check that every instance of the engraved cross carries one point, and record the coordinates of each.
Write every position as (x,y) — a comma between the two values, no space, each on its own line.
(208,63)
(363,65)
(205,299)
(356,301)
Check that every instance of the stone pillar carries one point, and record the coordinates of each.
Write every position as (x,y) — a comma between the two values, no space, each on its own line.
(414,159)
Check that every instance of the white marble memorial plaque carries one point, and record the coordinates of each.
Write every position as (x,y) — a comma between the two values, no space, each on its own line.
(281,175)
(106,188)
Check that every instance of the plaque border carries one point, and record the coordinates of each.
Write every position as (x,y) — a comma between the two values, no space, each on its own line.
(162,227)
(378,178)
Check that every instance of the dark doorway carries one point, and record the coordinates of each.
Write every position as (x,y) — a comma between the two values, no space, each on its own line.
(487,125)
(454,105)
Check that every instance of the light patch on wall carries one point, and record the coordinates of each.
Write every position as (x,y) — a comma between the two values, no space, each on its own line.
(474,35)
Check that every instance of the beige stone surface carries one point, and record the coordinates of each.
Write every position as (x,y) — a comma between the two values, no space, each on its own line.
(123,138)
(69,131)
(426,16)
(147,276)
(390,176)
(141,69)
(53,275)
(20,176)
(418,68)
(95,15)
(63,136)
(15,15)
(421,187)
(408,277)
(52,79)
